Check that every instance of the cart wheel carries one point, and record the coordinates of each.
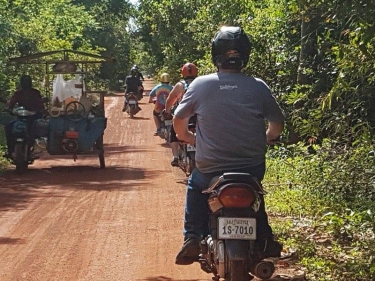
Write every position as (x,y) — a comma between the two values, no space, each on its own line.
(75,110)
(100,147)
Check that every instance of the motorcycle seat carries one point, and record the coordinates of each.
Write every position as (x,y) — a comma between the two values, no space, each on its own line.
(233,177)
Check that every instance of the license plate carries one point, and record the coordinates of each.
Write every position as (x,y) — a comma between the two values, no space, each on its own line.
(190,147)
(132,102)
(168,122)
(237,228)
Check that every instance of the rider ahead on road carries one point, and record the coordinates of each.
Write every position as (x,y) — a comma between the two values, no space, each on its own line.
(223,101)
(139,74)
(189,72)
(159,95)
(30,99)
(132,83)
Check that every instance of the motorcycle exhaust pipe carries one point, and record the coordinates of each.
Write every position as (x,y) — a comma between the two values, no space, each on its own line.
(263,269)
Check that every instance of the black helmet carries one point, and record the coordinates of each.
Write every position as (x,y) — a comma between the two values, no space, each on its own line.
(26,82)
(230,47)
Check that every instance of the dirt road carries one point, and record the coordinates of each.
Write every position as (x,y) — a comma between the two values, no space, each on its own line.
(67,220)
(71,221)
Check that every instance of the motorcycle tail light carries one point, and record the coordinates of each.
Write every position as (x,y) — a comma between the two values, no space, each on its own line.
(236,196)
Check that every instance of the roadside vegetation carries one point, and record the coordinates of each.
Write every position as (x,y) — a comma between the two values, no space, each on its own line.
(322,208)
(317,57)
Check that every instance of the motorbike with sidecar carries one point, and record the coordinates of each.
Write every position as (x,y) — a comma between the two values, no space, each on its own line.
(76,123)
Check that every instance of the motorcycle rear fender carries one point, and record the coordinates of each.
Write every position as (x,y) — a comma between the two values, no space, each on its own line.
(237,249)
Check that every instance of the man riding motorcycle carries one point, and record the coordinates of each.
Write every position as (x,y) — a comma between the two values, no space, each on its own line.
(139,74)
(29,98)
(160,93)
(223,101)
(189,72)
(132,83)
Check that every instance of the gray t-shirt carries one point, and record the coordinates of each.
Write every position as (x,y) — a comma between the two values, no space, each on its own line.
(231,111)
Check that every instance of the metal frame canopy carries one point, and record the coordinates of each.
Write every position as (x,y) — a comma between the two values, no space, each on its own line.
(38,58)
(61,62)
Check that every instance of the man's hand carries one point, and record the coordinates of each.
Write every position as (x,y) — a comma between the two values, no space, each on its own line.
(188,137)
(273,132)
(273,140)
(182,132)
(166,115)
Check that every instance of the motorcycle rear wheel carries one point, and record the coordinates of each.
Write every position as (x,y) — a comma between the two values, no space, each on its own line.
(20,158)
(237,271)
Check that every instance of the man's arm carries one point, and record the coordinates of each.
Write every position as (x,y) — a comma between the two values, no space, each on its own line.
(274,131)
(141,76)
(152,95)
(13,100)
(181,128)
(40,103)
(173,96)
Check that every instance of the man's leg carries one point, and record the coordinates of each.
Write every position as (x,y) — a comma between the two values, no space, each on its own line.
(157,122)
(196,217)
(174,146)
(265,243)
(125,104)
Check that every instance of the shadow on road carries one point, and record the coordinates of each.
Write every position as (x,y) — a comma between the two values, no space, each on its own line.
(8,240)
(163,278)
(18,191)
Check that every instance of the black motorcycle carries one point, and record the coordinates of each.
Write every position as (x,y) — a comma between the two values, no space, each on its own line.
(132,107)
(186,153)
(229,251)
(25,130)
(165,126)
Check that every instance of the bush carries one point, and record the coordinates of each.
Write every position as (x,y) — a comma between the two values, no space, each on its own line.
(325,207)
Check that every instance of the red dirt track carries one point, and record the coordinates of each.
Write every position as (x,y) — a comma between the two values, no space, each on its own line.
(72,221)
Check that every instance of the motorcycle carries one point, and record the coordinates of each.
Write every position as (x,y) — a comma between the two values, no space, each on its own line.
(229,251)
(186,154)
(132,107)
(25,144)
(165,126)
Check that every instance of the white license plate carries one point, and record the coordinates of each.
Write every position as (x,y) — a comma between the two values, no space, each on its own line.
(190,147)
(168,122)
(132,102)
(237,228)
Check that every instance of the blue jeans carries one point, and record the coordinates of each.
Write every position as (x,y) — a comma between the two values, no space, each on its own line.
(197,210)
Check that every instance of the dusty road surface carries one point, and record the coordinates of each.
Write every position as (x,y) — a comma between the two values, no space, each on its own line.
(71,221)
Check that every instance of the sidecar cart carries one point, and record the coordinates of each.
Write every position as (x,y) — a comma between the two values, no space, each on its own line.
(77,119)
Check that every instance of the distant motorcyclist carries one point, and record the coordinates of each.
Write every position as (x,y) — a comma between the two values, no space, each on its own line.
(159,95)
(224,101)
(29,98)
(132,84)
(189,72)
(139,74)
